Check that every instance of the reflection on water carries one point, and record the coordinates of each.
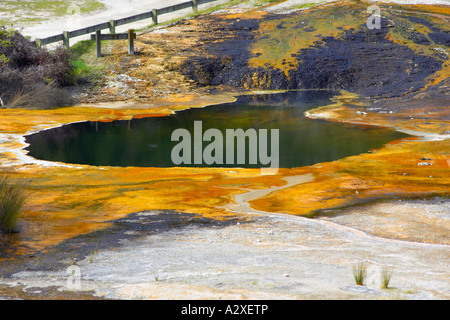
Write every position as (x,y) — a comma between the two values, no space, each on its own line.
(147,142)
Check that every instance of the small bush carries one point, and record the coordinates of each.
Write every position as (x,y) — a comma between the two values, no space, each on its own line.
(12,199)
(84,69)
(31,76)
(11,81)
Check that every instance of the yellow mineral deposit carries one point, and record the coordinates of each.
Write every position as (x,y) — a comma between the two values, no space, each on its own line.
(69,200)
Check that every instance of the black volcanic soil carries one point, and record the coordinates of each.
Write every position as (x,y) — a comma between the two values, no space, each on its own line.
(363,61)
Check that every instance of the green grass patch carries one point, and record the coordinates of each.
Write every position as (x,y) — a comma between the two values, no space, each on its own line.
(86,68)
(19,12)
(264,2)
(306,5)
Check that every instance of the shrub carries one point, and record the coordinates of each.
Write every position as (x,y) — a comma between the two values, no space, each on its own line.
(12,199)
(11,81)
(31,76)
(41,96)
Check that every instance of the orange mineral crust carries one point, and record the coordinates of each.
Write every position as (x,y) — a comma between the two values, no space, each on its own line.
(69,200)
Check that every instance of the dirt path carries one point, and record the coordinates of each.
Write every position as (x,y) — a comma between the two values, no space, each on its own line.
(115,9)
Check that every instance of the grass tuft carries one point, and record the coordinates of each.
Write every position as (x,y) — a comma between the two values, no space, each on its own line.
(86,69)
(360,273)
(33,77)
(264,2)
(12,198)
(386,275)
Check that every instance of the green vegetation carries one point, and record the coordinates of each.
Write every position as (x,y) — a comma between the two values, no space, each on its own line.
(86,69)
(5,34)
(18,12)
(386,275)
(12,198)
(70,261)
(264,2)
(360,273)
(32,77)
(91,256)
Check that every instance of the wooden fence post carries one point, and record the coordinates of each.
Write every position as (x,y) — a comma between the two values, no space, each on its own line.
(112,26)
(194,5)
(155,16)
(98,43)
(131,41)
(66,41)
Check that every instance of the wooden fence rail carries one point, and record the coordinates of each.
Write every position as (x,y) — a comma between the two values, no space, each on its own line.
(112,24)
(98,37)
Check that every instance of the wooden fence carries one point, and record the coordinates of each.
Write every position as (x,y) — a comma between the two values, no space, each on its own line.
(98,37)
(112,24)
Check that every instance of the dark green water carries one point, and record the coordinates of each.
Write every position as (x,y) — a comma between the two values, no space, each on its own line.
(147,142)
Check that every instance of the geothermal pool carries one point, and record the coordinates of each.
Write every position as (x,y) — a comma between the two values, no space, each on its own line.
(274,132)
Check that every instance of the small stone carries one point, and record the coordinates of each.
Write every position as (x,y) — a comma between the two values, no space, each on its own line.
(424,164)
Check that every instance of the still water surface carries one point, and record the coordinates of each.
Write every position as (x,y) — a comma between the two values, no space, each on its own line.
(147,142)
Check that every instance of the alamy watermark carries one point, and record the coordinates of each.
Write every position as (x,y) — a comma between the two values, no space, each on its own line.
(74,277)
(221,149)
(374,21)
(74,19)
(229,149)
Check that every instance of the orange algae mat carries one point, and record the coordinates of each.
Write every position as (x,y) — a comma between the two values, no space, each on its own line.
(66,201)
